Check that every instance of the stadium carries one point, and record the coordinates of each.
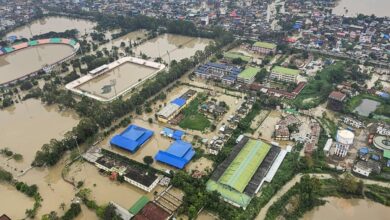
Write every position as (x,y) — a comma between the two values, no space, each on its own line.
(34,43)
(112,80)
(241,175)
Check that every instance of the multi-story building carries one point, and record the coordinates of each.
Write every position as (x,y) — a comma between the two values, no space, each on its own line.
(284,74)
(264,48)
(227,74)
(248,75)
(336,101)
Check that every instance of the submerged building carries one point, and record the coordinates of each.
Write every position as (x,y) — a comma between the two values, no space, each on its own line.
(132,138)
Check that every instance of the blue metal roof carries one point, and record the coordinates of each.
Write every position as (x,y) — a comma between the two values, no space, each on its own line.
(131,138)
(177,135)
(179,101)
(177,155)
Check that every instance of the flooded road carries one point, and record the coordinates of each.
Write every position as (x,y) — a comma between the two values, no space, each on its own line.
(367,7)
(26,61)
(172,47)
(26,126)
(348,209)
(57,24)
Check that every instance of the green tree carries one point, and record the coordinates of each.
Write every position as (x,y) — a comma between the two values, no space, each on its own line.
(148,160)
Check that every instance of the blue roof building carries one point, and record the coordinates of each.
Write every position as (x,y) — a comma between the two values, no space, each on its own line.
(178,154)
(174,134)
(217,71)
(132,138)
(179,101)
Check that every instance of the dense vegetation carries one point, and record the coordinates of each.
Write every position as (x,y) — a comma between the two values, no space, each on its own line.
(319,88)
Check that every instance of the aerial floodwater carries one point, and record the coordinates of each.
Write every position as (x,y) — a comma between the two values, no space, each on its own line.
(348,209)
(56,24)
(380,8)
(26,61)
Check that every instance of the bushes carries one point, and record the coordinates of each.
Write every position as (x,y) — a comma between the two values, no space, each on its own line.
(30,191)
(5,176)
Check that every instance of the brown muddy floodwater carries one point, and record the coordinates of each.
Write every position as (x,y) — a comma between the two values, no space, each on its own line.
(57,24)
(28,125)
(349,209)
(13,203)
(132,36)
(26,61)
(379,8)
(172,47)
(125,76)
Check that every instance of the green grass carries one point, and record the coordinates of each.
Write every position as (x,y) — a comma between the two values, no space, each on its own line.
(244,166)
(193,119)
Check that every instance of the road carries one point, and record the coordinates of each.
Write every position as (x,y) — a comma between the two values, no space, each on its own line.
(295,180)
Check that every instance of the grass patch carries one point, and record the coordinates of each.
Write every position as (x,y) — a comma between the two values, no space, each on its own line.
(193,119)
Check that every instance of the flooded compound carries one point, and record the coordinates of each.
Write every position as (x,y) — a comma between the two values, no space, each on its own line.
(28,125)
(13,202)
(367,7)
(56,24)
(348,209)
(104,190)
(116,80)
(157,142)
(172,47)
(23,62)
(366,107)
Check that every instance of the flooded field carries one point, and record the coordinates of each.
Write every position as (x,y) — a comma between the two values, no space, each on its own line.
(26,126)
(26,61)
(367,7)
(125,76)
(348,209)
(172,47)
(366,107)
(267,128)
(14,203)
(57,24)
(132,36)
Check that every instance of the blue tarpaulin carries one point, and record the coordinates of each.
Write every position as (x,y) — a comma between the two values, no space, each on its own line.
(132,138)
(363,150)
(177,155)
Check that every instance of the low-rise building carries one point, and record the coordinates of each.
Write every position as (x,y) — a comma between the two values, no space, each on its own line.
(173,108)
(284,74)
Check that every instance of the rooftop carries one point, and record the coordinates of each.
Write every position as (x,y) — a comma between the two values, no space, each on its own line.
(249,73)
(177,155)
(132,138)
(284,70)
(339,96)
(265,45)
(140,204)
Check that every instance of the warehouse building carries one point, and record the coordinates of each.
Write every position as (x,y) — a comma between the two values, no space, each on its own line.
(132,138)
(178,154)
(173,108)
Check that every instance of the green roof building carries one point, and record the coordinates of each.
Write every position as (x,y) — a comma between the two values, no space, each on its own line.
(248,75)
(264,47)
(284,74)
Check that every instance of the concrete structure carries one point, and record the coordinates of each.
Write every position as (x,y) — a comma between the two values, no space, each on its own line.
(336,101)
(284,74)
(264,48)
(248,75)
(173,108)
(74,85)
(362,169)
(344,140)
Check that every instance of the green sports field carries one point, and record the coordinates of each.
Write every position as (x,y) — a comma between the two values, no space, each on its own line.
(244,166)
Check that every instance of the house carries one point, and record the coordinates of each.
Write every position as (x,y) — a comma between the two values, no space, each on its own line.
(284,74)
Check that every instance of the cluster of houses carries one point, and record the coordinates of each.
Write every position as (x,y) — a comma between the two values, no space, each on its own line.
(13,13)
(214,146)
